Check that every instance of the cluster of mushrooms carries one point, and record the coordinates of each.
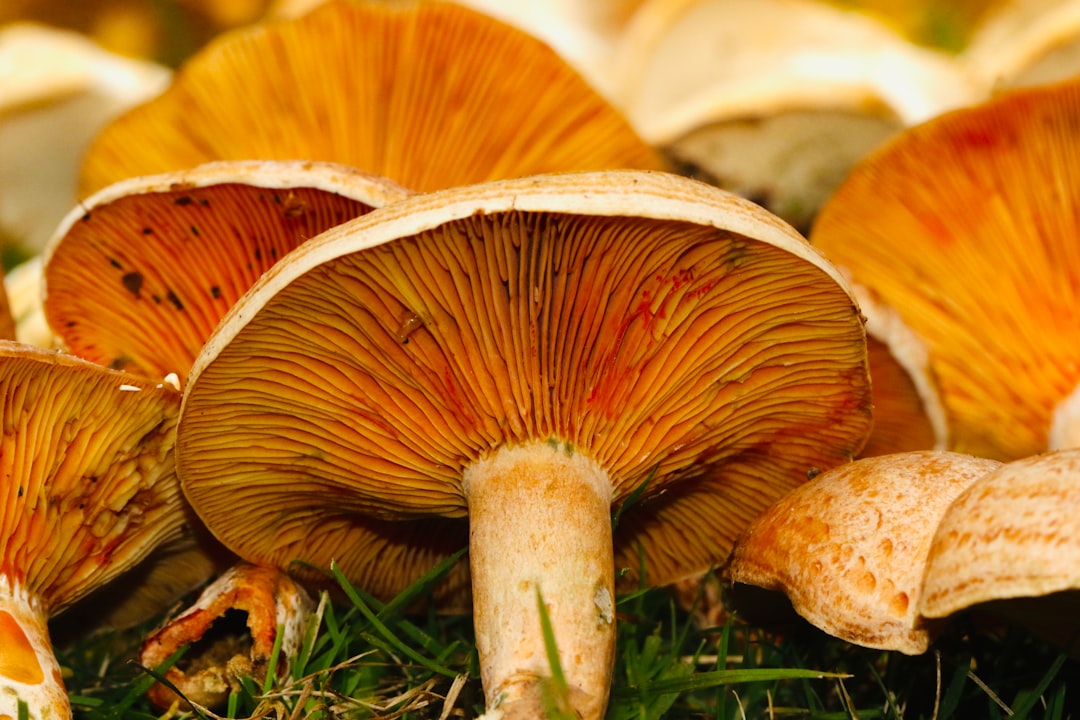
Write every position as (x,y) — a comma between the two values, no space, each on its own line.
(320,327)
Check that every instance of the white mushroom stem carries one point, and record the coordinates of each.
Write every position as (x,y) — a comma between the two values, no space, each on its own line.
(540,522)
(29,670)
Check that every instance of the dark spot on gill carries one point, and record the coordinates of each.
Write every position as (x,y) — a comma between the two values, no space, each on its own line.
(147,231)
(812,473)
(184,200)
(119,363)
(204,202)
(273,253)
(175,300)
(115,263)
(195,231)
(133,282)
(258,254)
(86,216)
(156,298)
(215,292)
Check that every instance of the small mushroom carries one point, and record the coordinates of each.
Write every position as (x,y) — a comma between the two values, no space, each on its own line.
(267,601)
(966,226)
(429,94)
(139,274)
(505,365)
(89,487)
(849,548)
(1009,542)
(57,90)
(775,99)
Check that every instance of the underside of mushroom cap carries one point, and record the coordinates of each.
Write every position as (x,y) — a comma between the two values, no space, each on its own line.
(89,478)
(966,225)
(849,547)
(1012,534)
(680,336)
(137,277)
(430,94)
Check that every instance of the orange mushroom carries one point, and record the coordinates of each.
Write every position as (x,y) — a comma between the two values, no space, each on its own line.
(429,94)
(89,489)
(138,276)
(966,226)
(526,354)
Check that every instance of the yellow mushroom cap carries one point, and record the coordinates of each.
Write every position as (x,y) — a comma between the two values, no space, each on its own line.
(681,337)
(429,94)
(137,277)
(1012,534)
(88,479)
(966,225)
(849,548)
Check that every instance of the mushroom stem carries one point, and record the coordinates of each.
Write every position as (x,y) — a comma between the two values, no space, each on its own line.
(29,670)
(540,523)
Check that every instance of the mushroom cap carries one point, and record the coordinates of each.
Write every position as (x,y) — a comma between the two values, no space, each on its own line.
(57,90)
(966,225)
(849,547)
(1025,42)
(687,63)
(775,99)
(685,339)
(908,410)
(1012,534)
(430,94)
(87,472)
(139,274)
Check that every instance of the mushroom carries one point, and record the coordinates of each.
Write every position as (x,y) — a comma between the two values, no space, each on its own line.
(90,488)
(505,364)
(849,548)
(909,414)
(1021,43)
(270,602)
(966,226)
(1009,542)
(429,94)
(57,90)
(775,99)
(139,274)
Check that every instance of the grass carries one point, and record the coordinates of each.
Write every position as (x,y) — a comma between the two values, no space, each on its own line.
(366,659)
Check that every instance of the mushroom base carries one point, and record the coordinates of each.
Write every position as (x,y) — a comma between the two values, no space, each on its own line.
(540,531)
(29,670)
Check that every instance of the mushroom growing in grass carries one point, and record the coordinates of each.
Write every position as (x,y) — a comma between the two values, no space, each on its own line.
(89,489)
(966,226)
(849,548)
(137,276)
(505,365)
(429,94)
(1010,543)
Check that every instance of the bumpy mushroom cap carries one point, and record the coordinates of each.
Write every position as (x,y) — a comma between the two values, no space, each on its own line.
(849,547)
(1012,534)
(89,489)
(57,89)
(429,94)
(966,225)
(137,277)
(775,99)
(527,353)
